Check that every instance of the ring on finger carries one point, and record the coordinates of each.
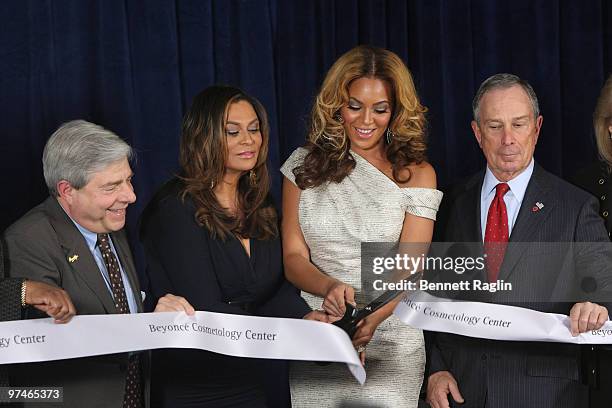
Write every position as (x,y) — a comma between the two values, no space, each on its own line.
(361,348)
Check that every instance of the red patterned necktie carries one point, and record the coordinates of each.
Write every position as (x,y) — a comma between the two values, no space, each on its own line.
(133,385)
(496,233)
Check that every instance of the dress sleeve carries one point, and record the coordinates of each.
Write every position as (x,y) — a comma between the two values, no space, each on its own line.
(286,302)
(296,159)
(422,202)
(10,299)
(178,257)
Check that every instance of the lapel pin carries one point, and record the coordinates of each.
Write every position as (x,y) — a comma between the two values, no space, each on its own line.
(537,207)
(73,258)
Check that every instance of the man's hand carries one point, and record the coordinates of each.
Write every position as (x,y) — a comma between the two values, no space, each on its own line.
(171,303)
(439,385)
(49,299)
(587,316)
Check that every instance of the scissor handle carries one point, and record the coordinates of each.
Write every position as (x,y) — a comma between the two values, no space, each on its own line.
(349,321)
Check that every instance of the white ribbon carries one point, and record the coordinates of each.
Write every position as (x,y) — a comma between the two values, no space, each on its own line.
(235,335)
(492,321)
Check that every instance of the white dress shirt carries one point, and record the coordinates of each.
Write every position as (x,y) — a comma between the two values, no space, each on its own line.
(513,198)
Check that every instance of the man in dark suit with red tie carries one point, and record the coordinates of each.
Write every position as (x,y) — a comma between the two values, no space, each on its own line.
(510,209)
(75,240)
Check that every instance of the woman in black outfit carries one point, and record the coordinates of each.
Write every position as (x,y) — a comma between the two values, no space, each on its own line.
(597,180)
(211,236)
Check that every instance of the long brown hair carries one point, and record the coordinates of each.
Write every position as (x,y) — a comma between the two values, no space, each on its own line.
(329,158)
(202,158)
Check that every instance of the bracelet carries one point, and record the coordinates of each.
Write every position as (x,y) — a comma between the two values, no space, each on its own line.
(23,293)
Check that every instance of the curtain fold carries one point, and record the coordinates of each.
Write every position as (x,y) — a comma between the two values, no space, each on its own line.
(134,66)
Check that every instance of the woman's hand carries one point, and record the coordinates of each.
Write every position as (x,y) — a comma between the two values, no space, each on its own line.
(172,303)
(365,331)
(362,356)
(52,300)
(317,315)
(337,296)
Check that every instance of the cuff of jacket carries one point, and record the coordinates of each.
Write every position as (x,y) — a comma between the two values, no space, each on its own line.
(10,299)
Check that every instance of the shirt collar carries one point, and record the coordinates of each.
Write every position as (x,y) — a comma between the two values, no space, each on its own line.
(518,185)
(91,238)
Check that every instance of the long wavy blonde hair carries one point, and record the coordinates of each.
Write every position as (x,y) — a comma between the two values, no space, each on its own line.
(329,158)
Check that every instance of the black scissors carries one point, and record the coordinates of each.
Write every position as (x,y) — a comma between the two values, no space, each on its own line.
(353,316)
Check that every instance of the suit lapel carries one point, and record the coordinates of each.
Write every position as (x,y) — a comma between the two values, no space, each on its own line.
(468,212)
(473,219)
(465,228)
(78,255)
(528,221)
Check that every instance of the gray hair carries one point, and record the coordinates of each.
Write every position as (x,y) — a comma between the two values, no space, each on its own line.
(504,81)
(77,150)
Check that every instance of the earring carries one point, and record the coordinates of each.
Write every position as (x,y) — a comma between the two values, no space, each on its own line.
(389,135)
(252,178)
(212,184)
(339,118)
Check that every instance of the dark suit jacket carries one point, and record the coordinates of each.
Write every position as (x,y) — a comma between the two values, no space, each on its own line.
(596,179)
(10,294)
(10,306)
(545,278)
(38,247)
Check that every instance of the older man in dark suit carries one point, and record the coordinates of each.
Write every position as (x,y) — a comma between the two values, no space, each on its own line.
(508,208)
(75,240)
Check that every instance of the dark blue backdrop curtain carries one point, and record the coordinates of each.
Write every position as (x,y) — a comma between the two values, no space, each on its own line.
(134,66)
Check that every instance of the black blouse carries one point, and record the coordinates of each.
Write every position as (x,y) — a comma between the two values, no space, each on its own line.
(213,275)
(596,180)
